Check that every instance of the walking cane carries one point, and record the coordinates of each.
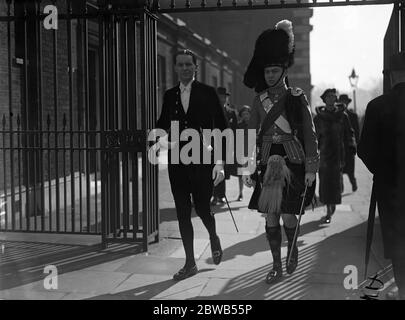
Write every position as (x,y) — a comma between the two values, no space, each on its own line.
(298,224)
(226,199)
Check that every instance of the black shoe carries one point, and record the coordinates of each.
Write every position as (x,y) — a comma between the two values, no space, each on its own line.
(240,198)
(290,267)
(214,201)
(216,250)
(274,275)
(221,201)
(185,273)
(327,219)
(354,187)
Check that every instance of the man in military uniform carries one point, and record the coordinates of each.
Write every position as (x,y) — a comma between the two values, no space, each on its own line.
(287,145)
(381,148)
(196,106)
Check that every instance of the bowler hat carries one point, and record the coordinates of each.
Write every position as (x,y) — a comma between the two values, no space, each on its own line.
(344,98)
(327,91)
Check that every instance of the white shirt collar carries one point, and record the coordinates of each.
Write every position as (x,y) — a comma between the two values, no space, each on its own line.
(187,87)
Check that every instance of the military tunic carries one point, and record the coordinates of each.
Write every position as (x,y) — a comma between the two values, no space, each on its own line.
(292,136)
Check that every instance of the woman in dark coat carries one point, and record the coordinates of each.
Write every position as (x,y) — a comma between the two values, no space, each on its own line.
(335,135)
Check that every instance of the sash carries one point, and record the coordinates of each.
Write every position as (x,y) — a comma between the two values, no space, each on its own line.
(273,114)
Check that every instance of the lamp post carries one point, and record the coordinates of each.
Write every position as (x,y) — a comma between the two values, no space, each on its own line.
(354,79)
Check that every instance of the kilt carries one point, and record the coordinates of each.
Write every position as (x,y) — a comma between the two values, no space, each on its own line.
(292,194)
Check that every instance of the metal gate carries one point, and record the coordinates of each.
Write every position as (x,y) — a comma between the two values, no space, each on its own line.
(394,40)
(80,99)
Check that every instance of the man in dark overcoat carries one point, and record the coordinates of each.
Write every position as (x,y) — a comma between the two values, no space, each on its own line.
(349,156)
(193,105)
(381,148)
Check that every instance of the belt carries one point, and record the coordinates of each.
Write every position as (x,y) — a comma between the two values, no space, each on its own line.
(278,138)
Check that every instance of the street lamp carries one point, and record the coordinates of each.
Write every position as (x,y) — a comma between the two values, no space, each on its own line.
(354,79)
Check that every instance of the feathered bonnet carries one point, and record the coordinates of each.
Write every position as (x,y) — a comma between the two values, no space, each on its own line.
(274,47)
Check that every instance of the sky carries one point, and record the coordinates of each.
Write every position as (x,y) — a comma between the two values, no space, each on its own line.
(344,38)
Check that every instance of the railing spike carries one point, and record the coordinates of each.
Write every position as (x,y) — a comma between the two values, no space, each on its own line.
(18,120)
(188,3)
(4,121)
(172,4)
(203,3)
(219,3)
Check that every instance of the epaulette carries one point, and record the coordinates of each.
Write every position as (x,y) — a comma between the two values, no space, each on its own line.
(297,92)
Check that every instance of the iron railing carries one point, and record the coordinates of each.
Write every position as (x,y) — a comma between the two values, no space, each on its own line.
(75,105)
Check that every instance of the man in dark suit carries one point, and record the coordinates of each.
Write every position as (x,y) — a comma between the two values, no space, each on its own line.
(349,156)
(193,105)
(381,148)
(220,189)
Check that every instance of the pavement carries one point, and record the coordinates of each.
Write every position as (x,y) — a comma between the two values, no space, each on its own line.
(331,257)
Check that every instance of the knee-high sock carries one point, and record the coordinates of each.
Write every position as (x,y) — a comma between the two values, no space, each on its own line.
(187,236)
(290,235)
(274,237)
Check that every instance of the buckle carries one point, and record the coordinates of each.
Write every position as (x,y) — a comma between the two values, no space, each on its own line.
(276,138)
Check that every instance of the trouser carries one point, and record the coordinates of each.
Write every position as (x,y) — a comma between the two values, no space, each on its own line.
(398,266)
(219,190)
(392,221)
(195,180)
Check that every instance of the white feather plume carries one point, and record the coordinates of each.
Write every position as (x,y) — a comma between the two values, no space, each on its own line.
(286,25)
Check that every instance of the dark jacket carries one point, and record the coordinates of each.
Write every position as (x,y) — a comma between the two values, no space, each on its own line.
(378,143)
(381,148)
(335,135)
(204,112)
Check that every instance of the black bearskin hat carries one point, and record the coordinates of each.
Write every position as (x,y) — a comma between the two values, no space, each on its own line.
(274,47)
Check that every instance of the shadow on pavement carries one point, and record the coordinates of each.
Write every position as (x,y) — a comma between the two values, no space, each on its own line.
(142,293)
(320,273)
(260,244)
(24,262)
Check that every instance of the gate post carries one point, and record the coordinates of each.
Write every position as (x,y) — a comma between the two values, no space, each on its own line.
(120,138)
(402,24)
(150,217)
